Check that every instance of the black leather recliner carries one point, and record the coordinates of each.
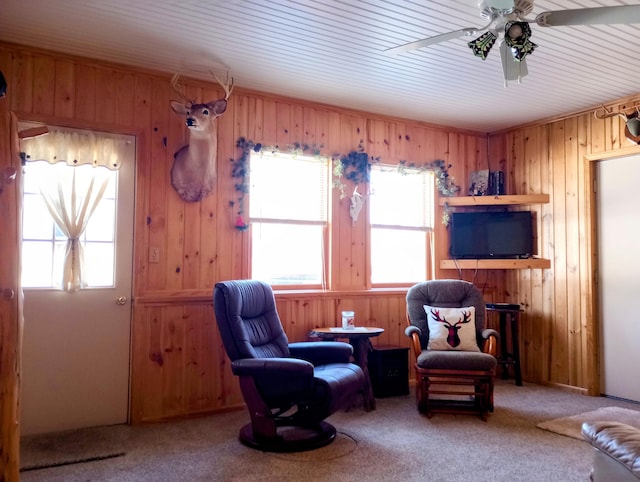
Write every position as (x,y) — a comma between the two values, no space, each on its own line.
(289,388)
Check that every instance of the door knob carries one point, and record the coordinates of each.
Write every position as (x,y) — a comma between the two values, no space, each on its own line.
(121,300)
(8,293)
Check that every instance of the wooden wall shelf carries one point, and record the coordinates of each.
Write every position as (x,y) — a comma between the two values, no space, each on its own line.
(495,200)
(511,200)
(528,263)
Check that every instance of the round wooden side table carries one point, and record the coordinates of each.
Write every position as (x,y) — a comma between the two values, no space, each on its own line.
(360,339)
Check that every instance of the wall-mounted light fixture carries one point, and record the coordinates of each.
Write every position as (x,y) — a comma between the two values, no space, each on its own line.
(632,121)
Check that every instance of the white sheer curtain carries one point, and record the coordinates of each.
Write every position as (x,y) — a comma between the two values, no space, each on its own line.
(71,203)
(71,208)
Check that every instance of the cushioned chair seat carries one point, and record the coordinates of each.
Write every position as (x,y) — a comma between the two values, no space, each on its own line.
(339,378)
(456,360)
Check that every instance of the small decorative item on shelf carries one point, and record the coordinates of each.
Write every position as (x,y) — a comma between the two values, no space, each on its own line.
(479,182)
(496,183)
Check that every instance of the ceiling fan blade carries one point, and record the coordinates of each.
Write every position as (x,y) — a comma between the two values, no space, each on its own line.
(590,16)
(511,68)
(432,40)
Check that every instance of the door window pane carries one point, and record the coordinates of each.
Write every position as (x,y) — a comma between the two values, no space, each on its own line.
(37,264)
(102,224)
(37,224)
(44,243)
(99,256)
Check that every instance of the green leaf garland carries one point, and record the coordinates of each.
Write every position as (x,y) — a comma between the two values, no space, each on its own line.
(354,166)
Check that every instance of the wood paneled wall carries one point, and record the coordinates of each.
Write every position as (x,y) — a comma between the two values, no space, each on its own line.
(179,366)
(559,327)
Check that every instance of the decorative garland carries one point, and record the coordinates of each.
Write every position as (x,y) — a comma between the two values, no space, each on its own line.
(354,166)
(240,170)
(445,183)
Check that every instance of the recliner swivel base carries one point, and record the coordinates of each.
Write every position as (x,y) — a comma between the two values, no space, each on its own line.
(290,438)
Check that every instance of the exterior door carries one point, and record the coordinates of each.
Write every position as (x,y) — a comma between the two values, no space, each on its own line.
(76,349)
(618,198)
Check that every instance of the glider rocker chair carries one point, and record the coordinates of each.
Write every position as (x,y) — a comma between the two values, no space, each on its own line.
(455,355)
(289,388)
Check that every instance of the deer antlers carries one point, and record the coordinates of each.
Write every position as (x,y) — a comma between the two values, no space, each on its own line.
(179,88)
(227,85)
(632,121)
(606,113)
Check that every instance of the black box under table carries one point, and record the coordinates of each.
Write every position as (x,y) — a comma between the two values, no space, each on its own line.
(389,370)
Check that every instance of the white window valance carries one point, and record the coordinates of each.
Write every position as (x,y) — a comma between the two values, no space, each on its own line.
(76,147)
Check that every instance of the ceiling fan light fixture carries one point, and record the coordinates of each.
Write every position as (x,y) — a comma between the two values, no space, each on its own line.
(482,45)
(517,35)
(508,22)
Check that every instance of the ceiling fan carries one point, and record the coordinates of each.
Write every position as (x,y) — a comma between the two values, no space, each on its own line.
(507,24)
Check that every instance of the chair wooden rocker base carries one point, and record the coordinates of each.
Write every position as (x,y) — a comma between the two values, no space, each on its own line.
(469,391)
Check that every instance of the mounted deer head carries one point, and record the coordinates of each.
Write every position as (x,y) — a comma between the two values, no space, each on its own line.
(193,174)
(632,121)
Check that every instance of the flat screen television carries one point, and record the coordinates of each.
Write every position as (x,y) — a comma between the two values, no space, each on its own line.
(491,234)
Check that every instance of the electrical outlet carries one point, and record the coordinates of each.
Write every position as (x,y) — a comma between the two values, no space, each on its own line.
(154,254)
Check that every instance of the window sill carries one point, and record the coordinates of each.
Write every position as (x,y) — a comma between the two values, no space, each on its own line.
(206,296)
(280,293)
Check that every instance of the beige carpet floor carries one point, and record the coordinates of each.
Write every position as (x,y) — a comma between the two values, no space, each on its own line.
(393,443)
(571,426)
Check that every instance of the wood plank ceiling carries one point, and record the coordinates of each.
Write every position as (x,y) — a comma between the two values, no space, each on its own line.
(332,51)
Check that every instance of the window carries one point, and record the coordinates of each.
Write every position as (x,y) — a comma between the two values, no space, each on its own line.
(289,202)
(401,217)
(43,243)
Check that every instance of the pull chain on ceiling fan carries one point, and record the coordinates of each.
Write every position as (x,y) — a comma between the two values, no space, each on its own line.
(507,24)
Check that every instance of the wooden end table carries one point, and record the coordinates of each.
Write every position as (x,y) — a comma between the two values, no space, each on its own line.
(360,339)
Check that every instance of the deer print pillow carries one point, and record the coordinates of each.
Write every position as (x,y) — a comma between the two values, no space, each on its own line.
(452,328)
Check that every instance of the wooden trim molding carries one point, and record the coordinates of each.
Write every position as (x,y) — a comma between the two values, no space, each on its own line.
(206,296)
(604,155)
